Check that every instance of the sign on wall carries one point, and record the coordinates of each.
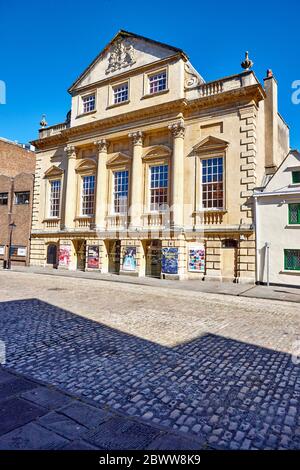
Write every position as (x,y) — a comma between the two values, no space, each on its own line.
(129,259)
(93,257)
(197,259)
(64,255)
(169,260)
(21,251)
(2,250)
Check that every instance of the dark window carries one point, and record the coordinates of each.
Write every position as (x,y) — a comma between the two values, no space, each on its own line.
(229,243)
(22,197)
(296,177)
(3,199)
(292,260)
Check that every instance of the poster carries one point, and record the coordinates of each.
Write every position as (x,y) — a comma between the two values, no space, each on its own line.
(169,261)
(197,259)
(2,249)
(129,259)
(93,257)
(21,251)
(64,255)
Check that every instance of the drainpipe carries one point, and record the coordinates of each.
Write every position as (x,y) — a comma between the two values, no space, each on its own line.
(267,245)
(256,225)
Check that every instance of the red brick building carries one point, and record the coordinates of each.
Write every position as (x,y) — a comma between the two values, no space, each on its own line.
(17,166)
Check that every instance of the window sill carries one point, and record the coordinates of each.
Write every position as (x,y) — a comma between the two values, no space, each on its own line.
(287,271)
(293,226)
(150,95)
(115,105)
(205,211)
(86,114)
(294,185)
(52,219)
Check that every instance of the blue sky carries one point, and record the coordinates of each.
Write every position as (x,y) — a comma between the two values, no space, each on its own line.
(46,45)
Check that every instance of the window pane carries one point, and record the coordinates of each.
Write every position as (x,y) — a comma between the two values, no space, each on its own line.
(88,103)
(157,82)
(296,176)
(3,199)
(292,260)
(88,193)
(212,183)
(158,187)
(120,93)
(54,198)
(120,191)
(22,197)
(294,213)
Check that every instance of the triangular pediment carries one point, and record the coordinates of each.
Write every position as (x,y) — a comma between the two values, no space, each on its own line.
(125,52)
(118,158)
(53,171)
(210,144)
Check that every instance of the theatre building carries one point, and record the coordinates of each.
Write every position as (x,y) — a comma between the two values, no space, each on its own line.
(153,170)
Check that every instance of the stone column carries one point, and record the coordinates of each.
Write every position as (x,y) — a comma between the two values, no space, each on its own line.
(101,185)
(177,129)
(136,192)
(70,198)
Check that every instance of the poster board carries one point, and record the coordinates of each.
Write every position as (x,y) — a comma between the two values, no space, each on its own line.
(129,259)
(93,257)
(169,260)
(196,258)
(64,255)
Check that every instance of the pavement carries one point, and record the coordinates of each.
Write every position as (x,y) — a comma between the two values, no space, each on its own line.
(273,292)
(219,369)
(35,416)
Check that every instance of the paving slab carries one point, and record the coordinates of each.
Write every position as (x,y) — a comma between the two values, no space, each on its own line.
(14,386)
(16,412)
(86,415)
(46,397)
(31,437)
(62,425)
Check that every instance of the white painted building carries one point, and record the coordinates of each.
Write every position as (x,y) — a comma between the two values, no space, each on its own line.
(278,225)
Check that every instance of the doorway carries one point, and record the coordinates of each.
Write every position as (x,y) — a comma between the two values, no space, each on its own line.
(52,255)
(153,258)
(229,259)
(114,256)
(81,254)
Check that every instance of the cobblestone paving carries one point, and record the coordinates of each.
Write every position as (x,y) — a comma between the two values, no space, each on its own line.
(217,367)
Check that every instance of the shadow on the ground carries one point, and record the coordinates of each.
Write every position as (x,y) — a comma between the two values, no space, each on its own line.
(233,394)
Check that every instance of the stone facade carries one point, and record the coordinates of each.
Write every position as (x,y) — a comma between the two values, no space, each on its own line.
(17,166)
(140,105)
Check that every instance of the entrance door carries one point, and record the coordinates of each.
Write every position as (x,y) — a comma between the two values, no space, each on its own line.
(229,252)
(52,255)
(81,254)
(153,258)
(114,256)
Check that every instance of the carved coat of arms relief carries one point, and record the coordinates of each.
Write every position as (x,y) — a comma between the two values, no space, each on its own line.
(122,55)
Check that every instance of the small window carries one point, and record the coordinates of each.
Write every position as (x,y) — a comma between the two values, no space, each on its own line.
(22,197)
(229,243)
(3,199)
(16,250)
(158,187)
(292,260)
(294,213)
(157,82)
(120,93)
(88,103)
(296,177)
(88,194)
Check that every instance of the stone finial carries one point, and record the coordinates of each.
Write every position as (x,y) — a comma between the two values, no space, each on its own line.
(43,122)
(101,145)
(137,137)
(247,64)
(177,129)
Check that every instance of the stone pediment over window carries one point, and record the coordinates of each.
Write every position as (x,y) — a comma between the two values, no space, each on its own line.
(157,151)
(118,158)
(210,145)
(54,171)
(86,165)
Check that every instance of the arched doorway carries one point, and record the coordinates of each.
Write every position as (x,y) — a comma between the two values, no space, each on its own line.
(52,255)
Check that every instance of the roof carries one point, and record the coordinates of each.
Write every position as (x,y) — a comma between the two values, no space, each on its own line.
(122,33)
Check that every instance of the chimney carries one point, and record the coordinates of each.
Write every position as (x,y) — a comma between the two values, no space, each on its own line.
(271,123)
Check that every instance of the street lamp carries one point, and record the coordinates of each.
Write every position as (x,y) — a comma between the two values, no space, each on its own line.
(11,226)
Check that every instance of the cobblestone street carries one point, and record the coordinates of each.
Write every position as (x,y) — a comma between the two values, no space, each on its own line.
(213,366)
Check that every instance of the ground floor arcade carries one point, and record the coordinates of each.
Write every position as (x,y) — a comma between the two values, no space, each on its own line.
(220,256)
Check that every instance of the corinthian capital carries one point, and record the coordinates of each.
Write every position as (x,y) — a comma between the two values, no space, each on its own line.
(70,151)
(177,129)
(137,137)
(101,145)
